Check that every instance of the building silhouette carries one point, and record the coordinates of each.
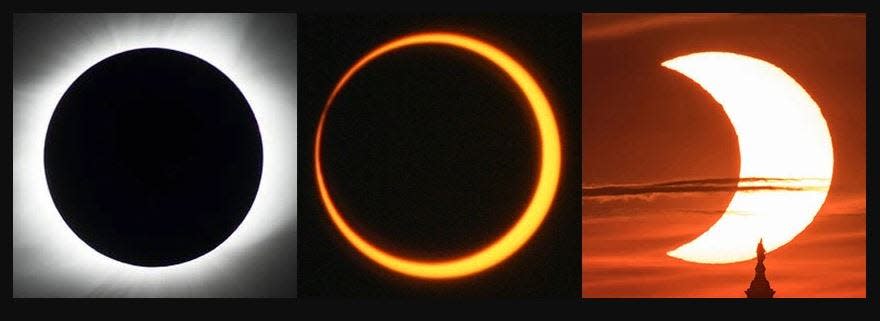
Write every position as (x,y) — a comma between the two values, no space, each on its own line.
(760,287)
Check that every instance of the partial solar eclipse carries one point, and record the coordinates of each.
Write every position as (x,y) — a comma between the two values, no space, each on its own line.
(544,192)
(782,137)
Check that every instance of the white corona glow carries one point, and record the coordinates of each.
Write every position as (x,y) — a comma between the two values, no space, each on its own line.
(38,228)
(782,134)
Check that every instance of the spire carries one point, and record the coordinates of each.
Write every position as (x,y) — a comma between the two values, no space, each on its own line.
(760,287)
(761,250)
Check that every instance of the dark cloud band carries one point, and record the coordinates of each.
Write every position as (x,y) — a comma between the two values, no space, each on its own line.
(703,186)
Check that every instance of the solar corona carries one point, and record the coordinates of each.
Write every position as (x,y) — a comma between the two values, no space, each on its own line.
(539,204)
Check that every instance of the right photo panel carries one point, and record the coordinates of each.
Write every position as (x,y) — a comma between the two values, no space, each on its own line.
(723,155)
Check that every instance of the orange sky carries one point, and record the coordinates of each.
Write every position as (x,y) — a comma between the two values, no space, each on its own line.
(645,124)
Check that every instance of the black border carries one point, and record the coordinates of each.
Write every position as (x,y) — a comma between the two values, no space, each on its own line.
(615,308)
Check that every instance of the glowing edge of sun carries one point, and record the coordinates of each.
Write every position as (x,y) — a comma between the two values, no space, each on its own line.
(541,200)
(781,133)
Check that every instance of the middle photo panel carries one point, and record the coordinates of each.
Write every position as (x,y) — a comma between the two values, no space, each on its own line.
(439,156)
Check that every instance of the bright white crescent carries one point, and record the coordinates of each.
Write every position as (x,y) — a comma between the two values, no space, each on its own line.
(782,135)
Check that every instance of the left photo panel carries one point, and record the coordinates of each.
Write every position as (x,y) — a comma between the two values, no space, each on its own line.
(154,155)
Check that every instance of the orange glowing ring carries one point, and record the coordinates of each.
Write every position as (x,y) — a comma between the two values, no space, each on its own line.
(531,218)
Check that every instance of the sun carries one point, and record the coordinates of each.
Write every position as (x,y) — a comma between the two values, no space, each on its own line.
(783,140)
(541,200)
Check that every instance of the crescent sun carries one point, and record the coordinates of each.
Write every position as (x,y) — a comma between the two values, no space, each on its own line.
(544,192)
(783,140)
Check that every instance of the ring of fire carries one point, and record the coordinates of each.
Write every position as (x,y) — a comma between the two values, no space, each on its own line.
(532,217)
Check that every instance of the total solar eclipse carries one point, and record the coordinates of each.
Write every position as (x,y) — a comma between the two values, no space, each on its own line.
(153,157)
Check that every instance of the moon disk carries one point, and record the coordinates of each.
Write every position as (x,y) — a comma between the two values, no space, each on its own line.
(782,137)
(153,157)
(540,202)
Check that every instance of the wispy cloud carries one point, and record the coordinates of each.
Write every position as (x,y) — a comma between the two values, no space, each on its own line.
(613,25)
(626,24)
(711,185)
(624,256)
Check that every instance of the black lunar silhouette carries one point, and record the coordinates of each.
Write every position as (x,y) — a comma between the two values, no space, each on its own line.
(153,157)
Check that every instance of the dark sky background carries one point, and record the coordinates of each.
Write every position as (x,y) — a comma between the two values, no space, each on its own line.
(431,152)
(645,124)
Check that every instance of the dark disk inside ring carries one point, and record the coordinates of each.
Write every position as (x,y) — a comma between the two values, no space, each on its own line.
(153,157)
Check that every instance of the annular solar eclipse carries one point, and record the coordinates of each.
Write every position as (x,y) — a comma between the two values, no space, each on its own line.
(541,200)
(153,157)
